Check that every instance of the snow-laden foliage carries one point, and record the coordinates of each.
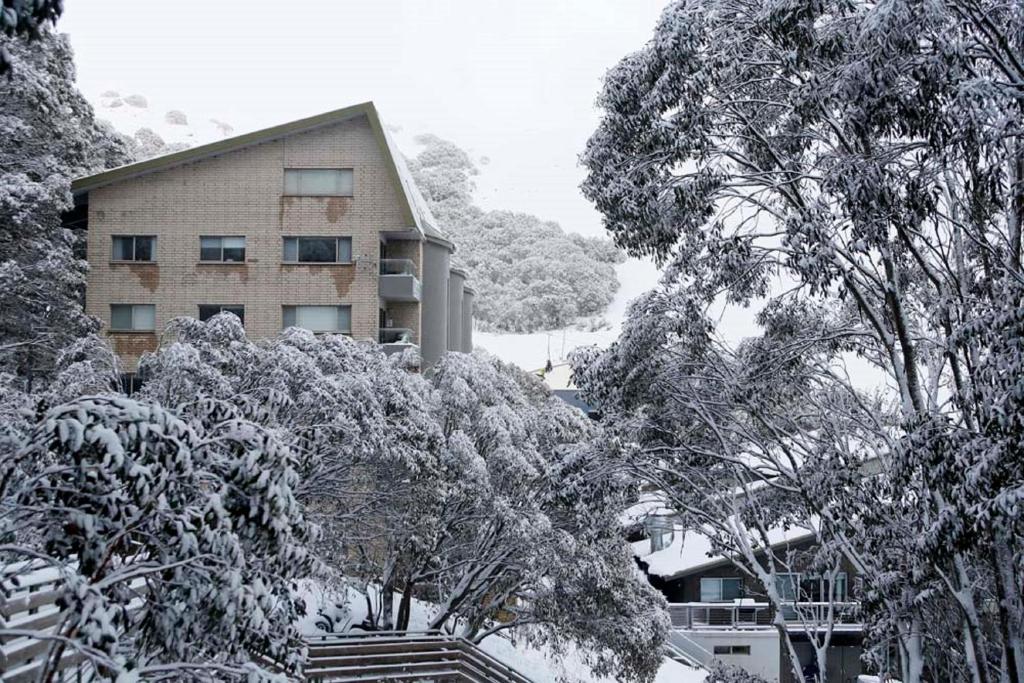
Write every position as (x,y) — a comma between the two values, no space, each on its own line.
(176,539)
(855,171)
(529,274)
(470,490)
(49,137)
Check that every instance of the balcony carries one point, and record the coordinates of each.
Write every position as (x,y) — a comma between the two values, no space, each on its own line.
(396,339)
(750,615)
(398,281)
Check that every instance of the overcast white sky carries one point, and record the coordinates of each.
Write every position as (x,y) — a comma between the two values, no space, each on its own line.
(512,81)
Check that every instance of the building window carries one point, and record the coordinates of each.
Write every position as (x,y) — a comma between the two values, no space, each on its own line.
(131,382)
(134,248)
(318,250)
(132,317)
(222,249)
(732,650)
(721,589)
(318,182)
(337,319)
(207,311)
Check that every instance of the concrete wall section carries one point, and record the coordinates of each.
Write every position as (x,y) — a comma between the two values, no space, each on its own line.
(456,283)
(434,277)
(467,319)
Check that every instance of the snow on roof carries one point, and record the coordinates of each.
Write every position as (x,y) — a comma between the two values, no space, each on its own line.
(691,551)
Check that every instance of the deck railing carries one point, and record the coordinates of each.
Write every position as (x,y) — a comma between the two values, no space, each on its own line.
(403,656)
(747,614)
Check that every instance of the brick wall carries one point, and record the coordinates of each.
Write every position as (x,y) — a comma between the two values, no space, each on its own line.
(241,193)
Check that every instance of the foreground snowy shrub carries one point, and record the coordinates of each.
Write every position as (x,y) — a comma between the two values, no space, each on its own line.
(176,539)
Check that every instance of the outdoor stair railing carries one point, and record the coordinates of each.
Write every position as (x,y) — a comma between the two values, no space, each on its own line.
(403,656)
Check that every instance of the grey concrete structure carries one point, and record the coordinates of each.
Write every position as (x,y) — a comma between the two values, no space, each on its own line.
(456,285)
(436,259)
(468,294)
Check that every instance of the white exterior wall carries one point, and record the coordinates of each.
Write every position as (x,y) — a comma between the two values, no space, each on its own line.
(765,654)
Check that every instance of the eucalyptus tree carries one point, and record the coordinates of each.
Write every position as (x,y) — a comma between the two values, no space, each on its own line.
(858,164)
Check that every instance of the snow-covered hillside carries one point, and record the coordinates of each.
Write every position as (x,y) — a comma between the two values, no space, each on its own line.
(531,351)
(132,112)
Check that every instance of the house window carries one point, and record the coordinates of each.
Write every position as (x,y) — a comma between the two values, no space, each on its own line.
(732,650)
(134,248)
(337,319)
(721,589)
(132,317)
(222,249)
(318,182)
(318,250)
(207,311)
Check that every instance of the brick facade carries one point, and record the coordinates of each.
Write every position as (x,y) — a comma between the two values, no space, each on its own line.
(240,193)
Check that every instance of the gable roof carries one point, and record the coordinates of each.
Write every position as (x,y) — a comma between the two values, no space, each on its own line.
(414,207)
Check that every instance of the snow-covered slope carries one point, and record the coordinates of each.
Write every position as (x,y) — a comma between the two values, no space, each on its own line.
(130,112)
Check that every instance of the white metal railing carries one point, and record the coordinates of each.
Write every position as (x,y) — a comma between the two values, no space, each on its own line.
(747,614)
(397,266)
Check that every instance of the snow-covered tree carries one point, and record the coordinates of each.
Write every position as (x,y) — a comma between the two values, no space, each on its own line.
(529,274)
(469,490)
(176,540)
(48,137)
(854,170)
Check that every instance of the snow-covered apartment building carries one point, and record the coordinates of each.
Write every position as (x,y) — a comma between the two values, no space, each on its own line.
(315,223)
(720,613)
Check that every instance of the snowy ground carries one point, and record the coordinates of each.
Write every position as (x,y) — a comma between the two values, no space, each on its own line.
(537,664)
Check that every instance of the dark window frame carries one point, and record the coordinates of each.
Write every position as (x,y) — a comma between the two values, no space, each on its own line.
(221,248)
(298,239)
(220,309)
(132,328)
(133,238)
(295,307)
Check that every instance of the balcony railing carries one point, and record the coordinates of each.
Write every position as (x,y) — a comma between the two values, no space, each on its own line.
(396,335)
(747,614)
(397,266)
(398,281)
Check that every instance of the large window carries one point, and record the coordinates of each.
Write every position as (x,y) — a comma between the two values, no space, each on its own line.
(721,589)
(318,249)
(132,317)
(134,248)
(318,182)
(207,311)
(222,249)
(336,319)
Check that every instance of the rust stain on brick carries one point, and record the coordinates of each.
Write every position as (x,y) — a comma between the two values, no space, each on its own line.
(283,203)
(134,344)
(343,276)
(148,274)
(226,269)
(336,208)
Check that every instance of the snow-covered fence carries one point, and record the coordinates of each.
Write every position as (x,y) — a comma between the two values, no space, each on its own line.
(759,615)
(29,618)
(403,656)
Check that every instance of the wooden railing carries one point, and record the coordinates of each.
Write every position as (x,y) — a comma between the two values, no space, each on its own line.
(746,614)
(403,656)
